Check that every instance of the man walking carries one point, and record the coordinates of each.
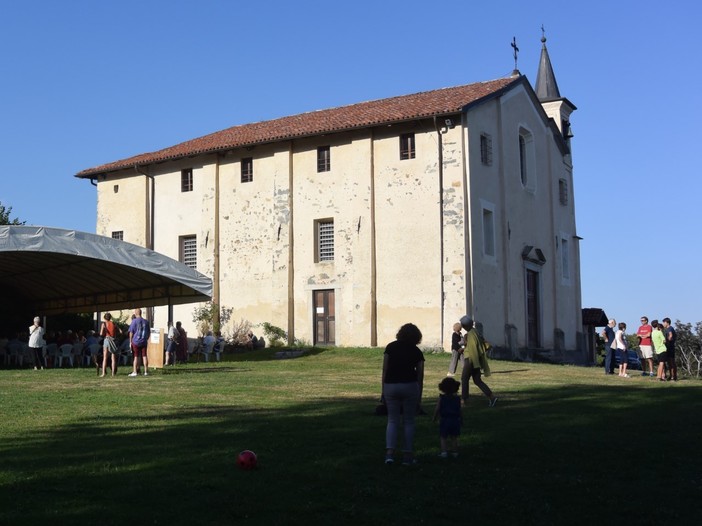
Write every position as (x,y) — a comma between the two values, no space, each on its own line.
(139,337)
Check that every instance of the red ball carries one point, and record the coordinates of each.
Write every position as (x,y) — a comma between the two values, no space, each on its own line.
(246,460)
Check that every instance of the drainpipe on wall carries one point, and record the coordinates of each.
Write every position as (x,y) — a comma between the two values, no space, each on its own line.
(291,250)
(440,157)
(467,231)
(215,277)
(150,230)
(373,269)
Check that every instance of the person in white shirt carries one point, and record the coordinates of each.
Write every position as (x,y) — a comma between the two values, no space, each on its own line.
(36,342)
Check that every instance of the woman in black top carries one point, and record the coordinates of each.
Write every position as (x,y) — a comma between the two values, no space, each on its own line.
(403,377)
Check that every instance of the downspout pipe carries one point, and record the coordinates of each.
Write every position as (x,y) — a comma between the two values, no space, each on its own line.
(152,215)
(440,157)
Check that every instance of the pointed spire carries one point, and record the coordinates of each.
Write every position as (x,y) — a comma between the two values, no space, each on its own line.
(546,86)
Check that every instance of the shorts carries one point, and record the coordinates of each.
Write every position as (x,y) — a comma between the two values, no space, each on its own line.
(623,356)
(139,351)
(662,357)
(646,351)
(172,346)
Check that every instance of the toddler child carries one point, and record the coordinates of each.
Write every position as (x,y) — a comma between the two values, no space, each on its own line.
(448,410)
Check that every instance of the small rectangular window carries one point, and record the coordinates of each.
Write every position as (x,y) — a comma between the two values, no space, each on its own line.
(118,234)
(188,251)
(323,159)
(325,240)
(488,233)
(486,149)
(407,146)
(186,180)
(563,191)
(565,259)
(247,170)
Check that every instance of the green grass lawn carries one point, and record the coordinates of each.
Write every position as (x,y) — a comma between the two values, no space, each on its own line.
(563,445)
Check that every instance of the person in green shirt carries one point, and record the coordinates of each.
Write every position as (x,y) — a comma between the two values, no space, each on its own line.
(475,362)
(658,339)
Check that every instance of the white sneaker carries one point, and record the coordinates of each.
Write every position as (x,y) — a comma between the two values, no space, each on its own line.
(146,374)
(132,374)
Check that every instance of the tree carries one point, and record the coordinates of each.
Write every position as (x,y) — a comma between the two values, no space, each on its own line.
(688,348)
(5,216)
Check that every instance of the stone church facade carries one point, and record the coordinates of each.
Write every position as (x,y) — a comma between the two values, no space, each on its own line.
(340,225)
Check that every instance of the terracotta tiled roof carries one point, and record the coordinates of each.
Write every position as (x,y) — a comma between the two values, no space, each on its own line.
(361,115)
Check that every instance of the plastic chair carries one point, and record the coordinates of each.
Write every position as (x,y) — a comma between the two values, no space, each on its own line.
(217,350)
(94,350)
(50,354)
(78,353)
(207,350)
(15,352)
(65,351)
(125,351)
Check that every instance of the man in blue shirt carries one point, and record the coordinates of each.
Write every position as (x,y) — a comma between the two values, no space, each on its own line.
(139,337)
(608,335)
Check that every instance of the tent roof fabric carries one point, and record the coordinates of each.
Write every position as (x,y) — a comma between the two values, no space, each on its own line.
(59,271)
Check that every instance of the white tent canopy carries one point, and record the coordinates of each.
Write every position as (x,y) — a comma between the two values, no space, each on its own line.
(55,271)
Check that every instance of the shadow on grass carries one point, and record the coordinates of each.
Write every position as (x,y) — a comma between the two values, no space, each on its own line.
(544,455)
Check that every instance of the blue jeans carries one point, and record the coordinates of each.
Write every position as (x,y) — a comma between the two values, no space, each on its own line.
(402,400)
(609,360)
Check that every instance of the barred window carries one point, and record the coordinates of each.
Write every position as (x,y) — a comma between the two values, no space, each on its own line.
(247,170)
(486,149)
(186,180)
(407,146)
(118,234)
(323,159)
(325,240)
(188,251)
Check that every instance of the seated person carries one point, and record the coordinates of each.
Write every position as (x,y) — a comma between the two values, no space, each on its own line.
(209,340)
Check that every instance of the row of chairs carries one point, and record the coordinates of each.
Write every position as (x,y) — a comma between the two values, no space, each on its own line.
(17,353)
(75,354)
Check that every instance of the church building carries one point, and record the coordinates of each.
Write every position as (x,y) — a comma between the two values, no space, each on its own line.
(340,225)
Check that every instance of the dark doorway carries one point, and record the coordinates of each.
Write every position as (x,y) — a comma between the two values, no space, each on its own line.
(533,308)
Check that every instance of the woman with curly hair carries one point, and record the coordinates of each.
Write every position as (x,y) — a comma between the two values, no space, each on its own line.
(402,379)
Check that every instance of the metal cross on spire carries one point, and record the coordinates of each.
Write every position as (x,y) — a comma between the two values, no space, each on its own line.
(515,52)
(543,34)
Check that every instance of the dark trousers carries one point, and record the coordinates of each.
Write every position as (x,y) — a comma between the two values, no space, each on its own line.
(609,360)
(472,372)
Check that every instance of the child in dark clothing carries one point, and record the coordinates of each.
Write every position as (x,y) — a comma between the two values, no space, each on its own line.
(448,410)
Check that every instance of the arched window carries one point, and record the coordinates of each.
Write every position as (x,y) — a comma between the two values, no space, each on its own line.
(527,159)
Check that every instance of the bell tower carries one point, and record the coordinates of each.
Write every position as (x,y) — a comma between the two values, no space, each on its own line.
(556,107)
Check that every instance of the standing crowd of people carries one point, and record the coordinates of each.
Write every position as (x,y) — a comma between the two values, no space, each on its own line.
(656,344)
(101,349)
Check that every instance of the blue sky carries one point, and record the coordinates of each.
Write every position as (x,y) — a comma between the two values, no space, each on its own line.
(88,82)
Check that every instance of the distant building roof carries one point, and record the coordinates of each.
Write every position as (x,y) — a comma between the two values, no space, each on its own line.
(364,114)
